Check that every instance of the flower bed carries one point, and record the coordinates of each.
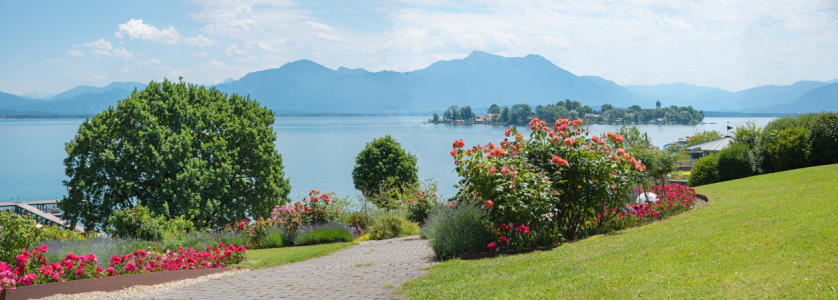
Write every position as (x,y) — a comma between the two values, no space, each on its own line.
(34,268)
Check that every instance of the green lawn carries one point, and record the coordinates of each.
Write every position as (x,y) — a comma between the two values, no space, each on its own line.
(770,236)
(266,258)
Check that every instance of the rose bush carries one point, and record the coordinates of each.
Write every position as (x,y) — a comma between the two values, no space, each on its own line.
(543,189)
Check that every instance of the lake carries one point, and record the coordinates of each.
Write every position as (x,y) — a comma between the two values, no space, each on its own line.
(317,152)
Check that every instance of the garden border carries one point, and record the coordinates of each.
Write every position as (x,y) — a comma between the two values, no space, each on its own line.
(105,284)
(478,255)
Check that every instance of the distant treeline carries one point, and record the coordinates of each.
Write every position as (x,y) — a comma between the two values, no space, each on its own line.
(523,113)
(728,114)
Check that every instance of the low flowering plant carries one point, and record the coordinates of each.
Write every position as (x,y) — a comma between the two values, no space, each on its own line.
(33,268)
(419,207)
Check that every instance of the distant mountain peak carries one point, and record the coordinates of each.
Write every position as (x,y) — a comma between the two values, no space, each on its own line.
(349,71)
(228,80)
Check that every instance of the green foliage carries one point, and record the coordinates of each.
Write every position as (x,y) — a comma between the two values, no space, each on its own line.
(392,224)
(771,132)
(789,149)
(494,109)
(382,164)
(323,234)
(505,114)
(59,233)
(134,223)
(705,171)
(453,231)
(747,134)
(419,200)
(16,234)
(734,162)
(208,156)
(520,113)
(359,220)
(824,136)
(703,137)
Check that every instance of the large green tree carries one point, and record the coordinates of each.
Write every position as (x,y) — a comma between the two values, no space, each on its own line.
(383,162)
(178,149)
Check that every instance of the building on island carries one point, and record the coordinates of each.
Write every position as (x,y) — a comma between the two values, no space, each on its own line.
(658,105)
(708,148)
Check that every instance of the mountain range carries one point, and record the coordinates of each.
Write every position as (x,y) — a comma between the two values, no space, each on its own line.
(478,80)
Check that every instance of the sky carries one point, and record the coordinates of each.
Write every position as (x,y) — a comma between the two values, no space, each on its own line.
(52,46)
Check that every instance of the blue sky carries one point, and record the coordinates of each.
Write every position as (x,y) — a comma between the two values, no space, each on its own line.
(52,46)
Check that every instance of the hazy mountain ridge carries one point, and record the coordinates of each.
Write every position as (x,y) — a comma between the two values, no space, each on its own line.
(478,80)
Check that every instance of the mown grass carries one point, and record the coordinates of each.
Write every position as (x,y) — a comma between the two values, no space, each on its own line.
(769,236)
(266,258)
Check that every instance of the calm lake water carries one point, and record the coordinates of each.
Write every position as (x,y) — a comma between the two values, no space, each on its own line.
(318,152)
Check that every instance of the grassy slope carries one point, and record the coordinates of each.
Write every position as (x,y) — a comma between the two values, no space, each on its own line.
(266,258)
(767,236)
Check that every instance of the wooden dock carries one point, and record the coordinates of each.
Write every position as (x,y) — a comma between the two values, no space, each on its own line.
(44,211)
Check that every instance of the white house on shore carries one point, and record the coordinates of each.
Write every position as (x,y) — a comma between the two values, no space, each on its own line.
(708,148)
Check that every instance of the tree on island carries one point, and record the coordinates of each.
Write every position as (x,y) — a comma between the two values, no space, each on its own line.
(179,150)
(383,167)
(494,109)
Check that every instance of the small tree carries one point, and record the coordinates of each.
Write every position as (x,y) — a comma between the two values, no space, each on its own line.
(381,165)
(180,150)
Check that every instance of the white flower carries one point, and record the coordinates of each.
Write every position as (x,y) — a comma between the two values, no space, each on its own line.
(650,197)
(39,226)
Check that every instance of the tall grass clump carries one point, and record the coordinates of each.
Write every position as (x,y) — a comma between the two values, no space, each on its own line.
(202,240)
(392,224)
(453,231)
(331,232)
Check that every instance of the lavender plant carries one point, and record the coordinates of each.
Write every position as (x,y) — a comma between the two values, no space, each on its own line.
(456,229)
(331,232)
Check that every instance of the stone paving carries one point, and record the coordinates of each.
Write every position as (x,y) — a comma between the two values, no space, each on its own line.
(369,270)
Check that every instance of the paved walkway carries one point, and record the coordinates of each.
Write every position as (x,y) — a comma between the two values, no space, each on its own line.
(369,270)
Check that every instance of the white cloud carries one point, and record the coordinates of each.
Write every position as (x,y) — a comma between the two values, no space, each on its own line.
(96,53)
(127,70)
(234,50)
(150,61)
(122,53)
(56,60)
(200,41)
(136,29)
(74,53)
(553,43)
(101,44)
(199,54)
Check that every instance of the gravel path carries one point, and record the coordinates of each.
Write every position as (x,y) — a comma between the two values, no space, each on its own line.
(369,270)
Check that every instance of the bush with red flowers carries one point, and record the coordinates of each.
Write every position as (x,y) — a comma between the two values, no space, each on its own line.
(543,189)
(33,267)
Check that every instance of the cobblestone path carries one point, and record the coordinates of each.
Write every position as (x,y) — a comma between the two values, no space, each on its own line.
(369,270)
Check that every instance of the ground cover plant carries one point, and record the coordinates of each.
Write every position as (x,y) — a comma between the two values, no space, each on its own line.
(35,268)
(767,236)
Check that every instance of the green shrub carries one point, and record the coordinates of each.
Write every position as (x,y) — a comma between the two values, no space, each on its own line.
(390,225)
(359,220)
(824,137)
(789,149)
(134,223)
(323,234)
(771,132)
(734,162)
(747,134)
(704,136)
(705,171)
(16,234)
(658,162)
(453,231)
(273,237)
(59,233)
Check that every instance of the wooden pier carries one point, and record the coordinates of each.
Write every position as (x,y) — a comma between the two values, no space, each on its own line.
(44,211)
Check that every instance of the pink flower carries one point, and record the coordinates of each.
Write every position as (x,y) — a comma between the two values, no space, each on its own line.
(453,152)
(492,246)
(504,239)
(568,141)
